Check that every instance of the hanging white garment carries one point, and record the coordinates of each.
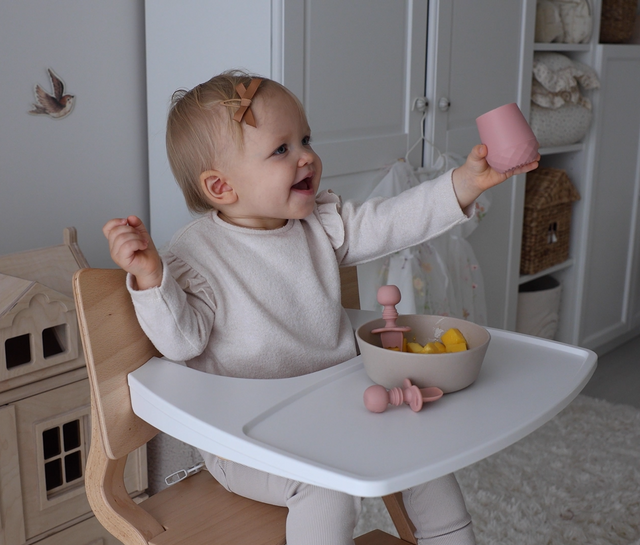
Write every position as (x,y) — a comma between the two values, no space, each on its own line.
(441,276)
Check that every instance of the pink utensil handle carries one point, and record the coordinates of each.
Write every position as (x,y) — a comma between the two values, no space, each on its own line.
(377,398)
(391,333)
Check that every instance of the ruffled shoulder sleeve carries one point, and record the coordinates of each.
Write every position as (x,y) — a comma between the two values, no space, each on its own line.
(189,279)
(328,206)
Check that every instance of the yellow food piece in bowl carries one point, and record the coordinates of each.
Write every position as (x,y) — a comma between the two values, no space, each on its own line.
(415,348)
(451,341)
(453,336)
(454,340)
(434,348)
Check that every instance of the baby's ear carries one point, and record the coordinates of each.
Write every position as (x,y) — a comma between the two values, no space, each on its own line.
(216,189)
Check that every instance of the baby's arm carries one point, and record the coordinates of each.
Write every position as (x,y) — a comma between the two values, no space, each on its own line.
(476,176)
(173,318)
(133,250)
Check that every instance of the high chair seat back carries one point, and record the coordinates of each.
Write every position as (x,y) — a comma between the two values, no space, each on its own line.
(194,511)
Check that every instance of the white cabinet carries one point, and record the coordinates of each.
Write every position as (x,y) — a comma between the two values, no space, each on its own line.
(611,296)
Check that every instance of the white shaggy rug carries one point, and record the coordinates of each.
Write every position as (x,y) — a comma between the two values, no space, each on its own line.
(575,480)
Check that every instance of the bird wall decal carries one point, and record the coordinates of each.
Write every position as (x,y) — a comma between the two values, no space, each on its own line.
(56,105)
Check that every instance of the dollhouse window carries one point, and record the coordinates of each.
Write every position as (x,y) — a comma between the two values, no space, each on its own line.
(63,455)
(54,340)
(17,350)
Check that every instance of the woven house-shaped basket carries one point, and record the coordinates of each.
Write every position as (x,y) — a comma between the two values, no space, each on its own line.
(617,21)
(549,199)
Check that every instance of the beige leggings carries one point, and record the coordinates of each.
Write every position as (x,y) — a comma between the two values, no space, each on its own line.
(318,516)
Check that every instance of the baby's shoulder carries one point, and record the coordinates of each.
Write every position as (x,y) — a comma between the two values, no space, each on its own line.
(190,237)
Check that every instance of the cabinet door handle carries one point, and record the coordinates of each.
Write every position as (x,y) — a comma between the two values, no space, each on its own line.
(443,104)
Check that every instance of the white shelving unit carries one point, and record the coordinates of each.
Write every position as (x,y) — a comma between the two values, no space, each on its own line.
(574,159)
(600,305)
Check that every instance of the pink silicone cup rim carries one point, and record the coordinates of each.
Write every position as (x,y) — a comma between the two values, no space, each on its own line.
(486,123)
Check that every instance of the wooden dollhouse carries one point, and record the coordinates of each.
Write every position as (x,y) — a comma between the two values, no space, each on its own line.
(45,404)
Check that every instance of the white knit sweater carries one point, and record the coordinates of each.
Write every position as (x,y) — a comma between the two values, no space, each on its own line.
(266,303)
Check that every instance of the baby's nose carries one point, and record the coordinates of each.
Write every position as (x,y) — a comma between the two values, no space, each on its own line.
(305,158)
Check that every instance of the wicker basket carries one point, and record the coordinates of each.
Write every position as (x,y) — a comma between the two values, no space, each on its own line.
(617,21)
(546,228)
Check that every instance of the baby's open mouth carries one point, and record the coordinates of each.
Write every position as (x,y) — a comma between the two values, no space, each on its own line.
(304,185)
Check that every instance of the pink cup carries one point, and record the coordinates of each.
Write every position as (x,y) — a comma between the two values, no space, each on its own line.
(509,139)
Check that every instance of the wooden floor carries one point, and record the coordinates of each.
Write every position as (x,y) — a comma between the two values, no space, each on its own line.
(617,377)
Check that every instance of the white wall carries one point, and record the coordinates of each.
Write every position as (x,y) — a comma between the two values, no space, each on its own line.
(188,43)
(92,165)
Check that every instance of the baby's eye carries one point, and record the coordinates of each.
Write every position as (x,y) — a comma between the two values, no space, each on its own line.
(306,141)
(282,149)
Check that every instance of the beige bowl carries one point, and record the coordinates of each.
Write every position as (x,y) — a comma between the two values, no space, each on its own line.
(449,372)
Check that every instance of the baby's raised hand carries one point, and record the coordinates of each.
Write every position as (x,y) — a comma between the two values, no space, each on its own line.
(133,250)
(476,176)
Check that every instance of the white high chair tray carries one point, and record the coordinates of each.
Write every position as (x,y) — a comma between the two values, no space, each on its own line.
(315,428)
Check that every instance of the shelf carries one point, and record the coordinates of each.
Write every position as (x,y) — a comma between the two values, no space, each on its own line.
(561,266)
(561,47)
(561,149)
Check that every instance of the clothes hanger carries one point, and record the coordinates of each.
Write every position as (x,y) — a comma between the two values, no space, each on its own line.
(423,138)
(443,161)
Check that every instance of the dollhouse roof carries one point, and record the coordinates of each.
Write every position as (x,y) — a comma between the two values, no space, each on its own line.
(549,187)
(52,267)
(47,270)
(12,289)
(16,293)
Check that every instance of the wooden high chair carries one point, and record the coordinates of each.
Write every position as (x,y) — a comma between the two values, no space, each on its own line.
(196,510)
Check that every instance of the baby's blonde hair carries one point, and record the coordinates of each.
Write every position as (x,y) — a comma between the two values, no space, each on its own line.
(199,122)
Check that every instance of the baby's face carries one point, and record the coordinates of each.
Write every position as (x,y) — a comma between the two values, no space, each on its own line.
(277,174)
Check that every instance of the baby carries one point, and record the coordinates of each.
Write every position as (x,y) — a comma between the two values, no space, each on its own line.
(252,289)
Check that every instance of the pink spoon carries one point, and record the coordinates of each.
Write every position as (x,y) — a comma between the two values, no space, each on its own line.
(377,398)
(391,335)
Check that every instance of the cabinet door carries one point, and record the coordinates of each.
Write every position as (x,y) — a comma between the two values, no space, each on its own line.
(357,67)
(474,65)
(611,274)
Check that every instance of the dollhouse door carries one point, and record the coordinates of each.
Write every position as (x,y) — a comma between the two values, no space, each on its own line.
(473,66)
(357,66)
